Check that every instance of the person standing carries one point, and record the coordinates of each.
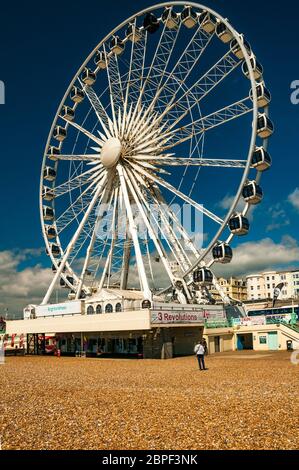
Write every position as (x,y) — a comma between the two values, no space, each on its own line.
(200,353)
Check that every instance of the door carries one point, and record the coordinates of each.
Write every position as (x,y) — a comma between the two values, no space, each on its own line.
(273,341)
(240,342)
(217,344)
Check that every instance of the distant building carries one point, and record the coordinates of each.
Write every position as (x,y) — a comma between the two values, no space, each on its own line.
(233,287)
(261,286)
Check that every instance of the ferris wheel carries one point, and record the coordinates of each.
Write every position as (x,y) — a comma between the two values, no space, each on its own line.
(170,108)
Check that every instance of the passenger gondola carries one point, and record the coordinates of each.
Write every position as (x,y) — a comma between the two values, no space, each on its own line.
(239,225)
(88,77)
(133,33)
(256,66)
(189,17)
(77,95)
(48,213)
(261,159)
(51,233)
(222,253)
(101,60)
(64,284)
(223,33)
(263,95)
(207,22)
(53,153)
(49,173)
(170,18)
(236,48)
(117,46)
(59,133)
(252,193)
(265,127)
(68,113)
(203,276)
(151,23)
(48,194)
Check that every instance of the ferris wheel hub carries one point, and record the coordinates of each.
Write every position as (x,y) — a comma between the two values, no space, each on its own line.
(111,152)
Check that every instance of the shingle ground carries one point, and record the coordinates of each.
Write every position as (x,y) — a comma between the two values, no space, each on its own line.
(244,401)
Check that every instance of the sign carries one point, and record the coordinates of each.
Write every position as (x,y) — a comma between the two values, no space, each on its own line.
(67,308)
(173,317)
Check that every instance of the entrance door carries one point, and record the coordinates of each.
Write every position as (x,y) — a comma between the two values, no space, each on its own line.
(240,342)
(273,341)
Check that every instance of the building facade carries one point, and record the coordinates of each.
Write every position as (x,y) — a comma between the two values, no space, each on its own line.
(261,286)
(233,287)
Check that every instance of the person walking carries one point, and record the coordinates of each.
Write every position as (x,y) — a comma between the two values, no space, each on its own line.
(200,353)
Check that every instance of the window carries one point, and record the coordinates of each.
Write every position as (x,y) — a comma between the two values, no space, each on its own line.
(268,286)
(99,309)
(108,308)
(263,339)
(90,310)
(118,308)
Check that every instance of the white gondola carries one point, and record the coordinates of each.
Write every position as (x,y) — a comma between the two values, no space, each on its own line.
(77,95)
(48,194)
(133,33)
(170,18)
(53,153)
(54,269)
(203,276)
(48,213)
(51,233)
(101,60)
(59,133)
(49,174)
(207,22)
(64,284)
(223,33)
(189,17)
(263,95)
(236,48)
(239,225)
(258,69)
(261,160)
(55,250)
(88,77)
(222,253)
(151,23)
(68,113)
(252,193)
(117,46)
(265,127)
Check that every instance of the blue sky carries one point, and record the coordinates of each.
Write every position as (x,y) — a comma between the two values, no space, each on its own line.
(42,46)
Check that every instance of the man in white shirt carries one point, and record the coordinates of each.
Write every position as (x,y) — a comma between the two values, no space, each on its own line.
(200,353)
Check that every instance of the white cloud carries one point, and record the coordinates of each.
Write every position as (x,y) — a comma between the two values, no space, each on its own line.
(21,286)
(254,257)
(278,218)
(294,198)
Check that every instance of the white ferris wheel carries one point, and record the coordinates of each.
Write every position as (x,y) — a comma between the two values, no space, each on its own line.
(170,107)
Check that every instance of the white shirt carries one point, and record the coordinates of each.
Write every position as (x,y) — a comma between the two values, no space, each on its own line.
(200,350)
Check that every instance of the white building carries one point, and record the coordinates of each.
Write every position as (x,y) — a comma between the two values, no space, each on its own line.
(261,286)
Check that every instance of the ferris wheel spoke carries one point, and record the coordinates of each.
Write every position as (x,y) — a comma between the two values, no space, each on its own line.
(95,103)
(133,229)
(73,242)
(136,71)
(76,208)
(81,158)
(183,68)
(187,240)
(162,56)
(138,197)
(104,198)
(181,195)
(194,95)
(216,119)
(88,134)
(115,84)
(202,162)
(74,183)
